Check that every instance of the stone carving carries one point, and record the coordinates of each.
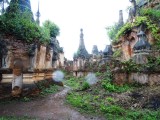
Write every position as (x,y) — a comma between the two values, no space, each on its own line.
(54,45)
(96,55)
(132,10)
(107,51)
(141,3)
(141,49)
(95,50)
(32,48)
(142,43)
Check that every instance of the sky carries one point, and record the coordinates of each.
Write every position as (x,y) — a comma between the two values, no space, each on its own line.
(72,15)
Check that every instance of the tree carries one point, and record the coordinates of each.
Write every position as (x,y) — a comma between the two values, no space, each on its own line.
(112,31)
(53,28)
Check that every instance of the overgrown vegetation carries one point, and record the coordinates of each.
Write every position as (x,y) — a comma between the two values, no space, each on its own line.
(100,99)
(148,17)
(117,53)
(153,64)
(151,13)
(139,21)
(23,27)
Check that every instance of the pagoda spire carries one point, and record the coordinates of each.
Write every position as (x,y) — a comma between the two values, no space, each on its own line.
(38,15)
(82,52)
(81,45)
(120,22)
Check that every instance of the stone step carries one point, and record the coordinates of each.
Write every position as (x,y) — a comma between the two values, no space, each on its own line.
(27,78)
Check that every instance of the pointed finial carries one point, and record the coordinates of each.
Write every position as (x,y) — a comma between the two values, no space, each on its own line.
(120,22)
(81,30)
(81,34)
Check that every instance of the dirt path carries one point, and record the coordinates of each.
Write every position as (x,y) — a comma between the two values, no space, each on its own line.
(50,108)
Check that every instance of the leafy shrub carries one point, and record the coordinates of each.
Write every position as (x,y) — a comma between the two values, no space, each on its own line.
(108,86)
(85,86)
(52,27)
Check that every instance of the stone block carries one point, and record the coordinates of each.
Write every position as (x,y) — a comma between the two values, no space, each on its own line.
(141,78)
(120,78)
(154,79)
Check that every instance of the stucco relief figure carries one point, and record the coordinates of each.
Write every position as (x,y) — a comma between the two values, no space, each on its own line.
(48,56)
(31,53)
(4,63)
(55,46)
(3,53)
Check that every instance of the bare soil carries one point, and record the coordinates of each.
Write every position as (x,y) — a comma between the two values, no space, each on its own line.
(52,107)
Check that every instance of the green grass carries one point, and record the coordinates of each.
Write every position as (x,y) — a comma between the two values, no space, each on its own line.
(51,90)
(110,99)
(114,88)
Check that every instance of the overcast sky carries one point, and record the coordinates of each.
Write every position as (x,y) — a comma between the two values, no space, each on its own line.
(91,15)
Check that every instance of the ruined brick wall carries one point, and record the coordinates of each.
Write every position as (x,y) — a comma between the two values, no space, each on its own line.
(128,41)
(17,49)
(144,78)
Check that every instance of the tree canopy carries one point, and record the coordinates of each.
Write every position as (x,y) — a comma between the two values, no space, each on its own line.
(52,27)
(22,25)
